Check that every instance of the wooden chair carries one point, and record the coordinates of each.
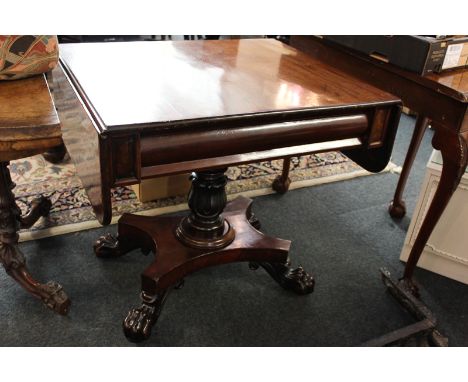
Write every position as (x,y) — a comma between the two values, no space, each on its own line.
(29,125)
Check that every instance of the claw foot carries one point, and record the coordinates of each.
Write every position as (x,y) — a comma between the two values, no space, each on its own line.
(55,298)
(139,322)
(107,246)
(296,280)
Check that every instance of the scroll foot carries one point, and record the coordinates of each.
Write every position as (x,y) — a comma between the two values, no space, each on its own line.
(40,207)
(138,323)
(296,280)
(55,298)
(281,185)
(397,209)
(51,294)
(107,246)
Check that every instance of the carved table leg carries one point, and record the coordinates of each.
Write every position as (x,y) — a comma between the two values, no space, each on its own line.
(12,258)
(55,154)
(205,227)
(282,182)
(454,150)
(138,323)
(210,235)
(129,238)
(397,207)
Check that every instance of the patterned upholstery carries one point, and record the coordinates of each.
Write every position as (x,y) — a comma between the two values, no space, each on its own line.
(26,55)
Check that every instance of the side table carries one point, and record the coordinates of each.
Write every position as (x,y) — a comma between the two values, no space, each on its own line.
(202,106)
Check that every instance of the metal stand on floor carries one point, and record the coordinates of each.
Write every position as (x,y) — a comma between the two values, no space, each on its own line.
(421,333)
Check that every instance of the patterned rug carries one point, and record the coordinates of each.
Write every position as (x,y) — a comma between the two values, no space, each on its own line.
(71,210)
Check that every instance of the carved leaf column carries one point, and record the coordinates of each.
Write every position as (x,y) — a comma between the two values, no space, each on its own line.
(205,227)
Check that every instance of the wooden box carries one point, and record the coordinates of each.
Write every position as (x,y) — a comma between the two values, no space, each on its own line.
(163,187)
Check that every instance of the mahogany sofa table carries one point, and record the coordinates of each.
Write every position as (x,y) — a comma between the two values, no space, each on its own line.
(203,106)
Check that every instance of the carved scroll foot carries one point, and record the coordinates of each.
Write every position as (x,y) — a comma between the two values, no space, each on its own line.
(51,294)
(281,185)
(397,209)
(40,207)
(107,246)
(138,323)
(110,246)
(296,280)
(55,298)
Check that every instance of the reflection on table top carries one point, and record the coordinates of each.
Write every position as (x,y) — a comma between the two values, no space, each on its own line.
(159,82)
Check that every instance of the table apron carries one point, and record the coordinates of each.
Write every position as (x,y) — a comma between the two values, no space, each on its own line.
(194,145)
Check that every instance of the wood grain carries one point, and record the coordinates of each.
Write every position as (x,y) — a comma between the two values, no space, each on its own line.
(181,81)
(446,91)
(84,145)
(206,103)
(27,110)
(29,124)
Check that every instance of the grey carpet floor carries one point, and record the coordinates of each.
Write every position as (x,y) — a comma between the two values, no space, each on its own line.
(341,233)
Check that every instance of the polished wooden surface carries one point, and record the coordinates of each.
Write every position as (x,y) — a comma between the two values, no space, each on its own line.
(439,99)
(176,81)
(209,104)
(84,144)
(205,105)
(454,83)
(27,110)
(174,148)
(29,124)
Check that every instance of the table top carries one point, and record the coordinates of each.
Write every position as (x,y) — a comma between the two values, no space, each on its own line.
(27,110)
(174,81)
(452,83)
